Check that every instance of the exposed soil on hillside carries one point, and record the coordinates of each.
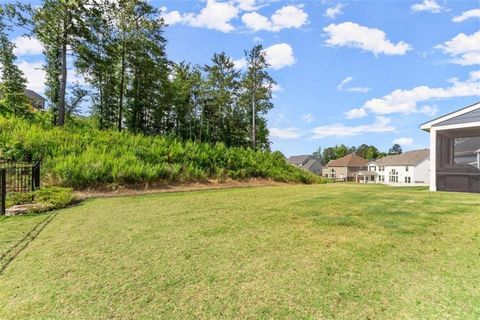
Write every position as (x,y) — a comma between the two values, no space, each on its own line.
(119,191)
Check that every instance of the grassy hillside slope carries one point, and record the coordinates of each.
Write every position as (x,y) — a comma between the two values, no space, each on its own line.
(81,156)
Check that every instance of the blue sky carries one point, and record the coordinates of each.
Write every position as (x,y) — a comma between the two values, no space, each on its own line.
(348,72)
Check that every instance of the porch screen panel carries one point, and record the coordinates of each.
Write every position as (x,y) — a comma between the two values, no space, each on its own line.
(464,173)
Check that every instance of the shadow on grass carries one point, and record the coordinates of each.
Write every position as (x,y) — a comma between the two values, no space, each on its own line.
(11,254)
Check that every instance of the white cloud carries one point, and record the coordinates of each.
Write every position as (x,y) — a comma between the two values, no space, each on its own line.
(474,13)
(403,141)
(344,82)
(27,46)
(171,17)
(405,101)
(240,63)
(256,21)
(356,113)
(308,117)
(215,15)
(334,12)
(427,5)
(341,86)
(34,73)
(464,49)
(475,75)
(286,133)
(350,34)
(429,110)
(247,5)
(277,88)
(286,17)
(381,124)
(280,55)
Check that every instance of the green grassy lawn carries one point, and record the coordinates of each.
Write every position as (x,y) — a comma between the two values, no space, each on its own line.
(321,251)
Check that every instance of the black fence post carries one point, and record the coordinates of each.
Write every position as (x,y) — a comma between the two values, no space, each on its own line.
(36,176)
(3,192)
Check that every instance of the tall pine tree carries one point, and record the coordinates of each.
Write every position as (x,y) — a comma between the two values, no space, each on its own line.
(257,87)
(222,90)
(13,83)
(58,24)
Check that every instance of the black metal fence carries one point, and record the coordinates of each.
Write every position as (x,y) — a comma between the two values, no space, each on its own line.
(3,191)
(17,177)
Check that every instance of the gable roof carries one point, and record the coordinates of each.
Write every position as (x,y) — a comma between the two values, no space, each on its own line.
(428,125)
(350,160)
(311,162)
(409,158)
(297,160)
(33,95)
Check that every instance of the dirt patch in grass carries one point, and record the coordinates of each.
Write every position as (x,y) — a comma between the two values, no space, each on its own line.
(120,191)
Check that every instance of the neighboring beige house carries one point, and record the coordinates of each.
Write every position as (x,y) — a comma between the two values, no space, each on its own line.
(345,168)
(412,167)
(307,163)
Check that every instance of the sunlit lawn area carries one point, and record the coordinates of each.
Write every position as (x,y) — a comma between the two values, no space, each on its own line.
(321,251)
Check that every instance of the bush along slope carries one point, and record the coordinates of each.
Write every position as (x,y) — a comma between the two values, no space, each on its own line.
(80,156)
(44,199)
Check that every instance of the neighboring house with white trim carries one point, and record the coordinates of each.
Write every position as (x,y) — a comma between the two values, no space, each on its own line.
(307,163)
(454,145)
(411,167)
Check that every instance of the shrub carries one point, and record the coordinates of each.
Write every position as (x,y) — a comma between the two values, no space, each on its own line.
(54,197)
(18,198)
(44,199)
(80,156)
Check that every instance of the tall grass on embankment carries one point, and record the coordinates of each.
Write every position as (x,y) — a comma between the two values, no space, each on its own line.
(80,156)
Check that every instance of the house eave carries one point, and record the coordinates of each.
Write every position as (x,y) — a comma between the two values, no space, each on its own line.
(428,125)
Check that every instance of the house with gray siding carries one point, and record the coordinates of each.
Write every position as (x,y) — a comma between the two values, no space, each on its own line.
(455,150)
(307,162)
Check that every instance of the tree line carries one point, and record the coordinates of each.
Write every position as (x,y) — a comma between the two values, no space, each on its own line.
(118,49)
(365,151)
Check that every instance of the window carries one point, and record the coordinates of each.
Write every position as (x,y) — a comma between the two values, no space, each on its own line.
(393,176)
(408,180)
(372,168)
(333,174)
(406,168)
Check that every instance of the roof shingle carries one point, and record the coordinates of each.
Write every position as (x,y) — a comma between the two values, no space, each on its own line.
(350,160)
(298,160)
(409,158)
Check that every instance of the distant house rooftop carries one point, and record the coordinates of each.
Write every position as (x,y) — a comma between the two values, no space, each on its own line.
(299,160)
(33,95)
(350,160)
(409,158)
